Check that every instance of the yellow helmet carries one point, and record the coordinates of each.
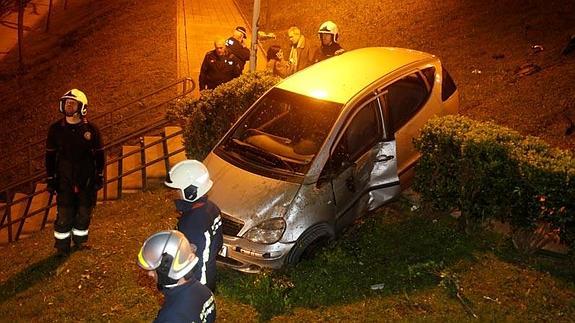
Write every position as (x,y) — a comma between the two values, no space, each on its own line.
(77,96)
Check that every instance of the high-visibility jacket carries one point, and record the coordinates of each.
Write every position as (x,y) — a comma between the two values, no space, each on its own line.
(202,225)
(189,302)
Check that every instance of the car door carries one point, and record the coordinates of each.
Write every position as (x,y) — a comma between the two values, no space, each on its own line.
(407,105)
(361,161)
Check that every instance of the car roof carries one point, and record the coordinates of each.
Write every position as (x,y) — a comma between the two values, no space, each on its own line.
(340,78)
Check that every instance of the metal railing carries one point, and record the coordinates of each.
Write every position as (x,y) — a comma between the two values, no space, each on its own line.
(34,149)
(7,221)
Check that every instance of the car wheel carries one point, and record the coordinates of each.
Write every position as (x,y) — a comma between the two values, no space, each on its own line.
(309,243)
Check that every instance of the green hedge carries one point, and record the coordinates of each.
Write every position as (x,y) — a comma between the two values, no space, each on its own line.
(491,172)
(207,118)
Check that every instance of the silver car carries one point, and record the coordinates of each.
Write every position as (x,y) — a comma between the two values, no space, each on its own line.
(320,148)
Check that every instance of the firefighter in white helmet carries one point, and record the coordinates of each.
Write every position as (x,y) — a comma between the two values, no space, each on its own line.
(200,219)
(74,164)
(329,38)
(169,258)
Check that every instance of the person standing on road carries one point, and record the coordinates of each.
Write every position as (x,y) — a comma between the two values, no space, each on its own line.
(237,47)
(218,67)
(329,37)
(75,165)
(200,219)
(170,258)
(300,55)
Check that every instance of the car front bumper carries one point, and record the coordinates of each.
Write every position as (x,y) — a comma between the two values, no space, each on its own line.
(249,257)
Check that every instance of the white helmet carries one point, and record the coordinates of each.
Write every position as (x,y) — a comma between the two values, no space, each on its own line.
(79,97)
(329,27)
(191,177)
(170,254)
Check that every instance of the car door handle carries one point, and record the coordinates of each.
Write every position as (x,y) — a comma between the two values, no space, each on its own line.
(384,158)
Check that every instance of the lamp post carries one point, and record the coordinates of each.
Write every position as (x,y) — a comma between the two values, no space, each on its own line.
(254,44)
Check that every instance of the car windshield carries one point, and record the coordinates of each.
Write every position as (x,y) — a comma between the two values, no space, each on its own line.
(283,131)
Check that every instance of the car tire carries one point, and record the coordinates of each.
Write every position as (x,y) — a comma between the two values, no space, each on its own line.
(309,242)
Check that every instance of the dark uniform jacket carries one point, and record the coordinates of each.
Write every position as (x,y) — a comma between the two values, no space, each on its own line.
(217,70)
(74,154)
(324,52)
(190,302)
(202,225)
(241,54)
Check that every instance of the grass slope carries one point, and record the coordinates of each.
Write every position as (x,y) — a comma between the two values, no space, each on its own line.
(420,262)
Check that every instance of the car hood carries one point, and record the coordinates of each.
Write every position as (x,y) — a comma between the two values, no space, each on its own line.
(246,196)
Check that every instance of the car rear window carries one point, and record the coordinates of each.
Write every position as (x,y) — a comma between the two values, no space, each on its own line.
(447,86)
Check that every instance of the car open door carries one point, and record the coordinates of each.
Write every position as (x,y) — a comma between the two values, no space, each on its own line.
(362,164)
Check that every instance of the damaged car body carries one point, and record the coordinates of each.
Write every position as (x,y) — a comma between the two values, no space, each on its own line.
(320,148)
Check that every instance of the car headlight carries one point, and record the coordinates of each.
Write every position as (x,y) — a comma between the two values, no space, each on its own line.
(267,232)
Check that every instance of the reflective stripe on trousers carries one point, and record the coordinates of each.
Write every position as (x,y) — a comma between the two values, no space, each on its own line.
(79,233)
(62,235)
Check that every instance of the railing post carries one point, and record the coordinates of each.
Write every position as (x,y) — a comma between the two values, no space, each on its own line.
(166,153)
(8,215)
(143,164)
(105,184)
(47,211)
(24,216)
(120,175)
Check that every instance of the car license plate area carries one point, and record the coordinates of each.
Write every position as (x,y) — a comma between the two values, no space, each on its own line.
(223,252)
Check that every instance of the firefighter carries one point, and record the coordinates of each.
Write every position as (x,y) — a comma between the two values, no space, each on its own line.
(200,219)
(237,47)
(169,258)
(75,164)
(329,37)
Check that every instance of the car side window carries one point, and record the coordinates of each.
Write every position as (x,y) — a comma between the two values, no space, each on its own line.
(361,134)
(404,98)
(429,74)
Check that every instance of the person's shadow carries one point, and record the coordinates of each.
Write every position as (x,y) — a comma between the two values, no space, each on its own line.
(30,276)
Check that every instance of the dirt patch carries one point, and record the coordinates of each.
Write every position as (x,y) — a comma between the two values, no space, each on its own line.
(482,43)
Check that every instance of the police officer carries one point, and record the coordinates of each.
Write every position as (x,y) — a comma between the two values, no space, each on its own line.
(236,46)
(218,67)
(169,258)
(329,37)
(200,219)
(75,164)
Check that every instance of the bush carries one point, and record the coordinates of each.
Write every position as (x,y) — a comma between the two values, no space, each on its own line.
(207,118)
(492,172)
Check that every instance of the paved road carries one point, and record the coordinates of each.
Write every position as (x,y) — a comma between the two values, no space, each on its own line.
(199,23)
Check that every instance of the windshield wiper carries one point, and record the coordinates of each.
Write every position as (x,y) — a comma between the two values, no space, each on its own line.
(265,154)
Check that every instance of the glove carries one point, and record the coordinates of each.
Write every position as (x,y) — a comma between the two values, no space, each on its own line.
(98,182)
(52,184)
